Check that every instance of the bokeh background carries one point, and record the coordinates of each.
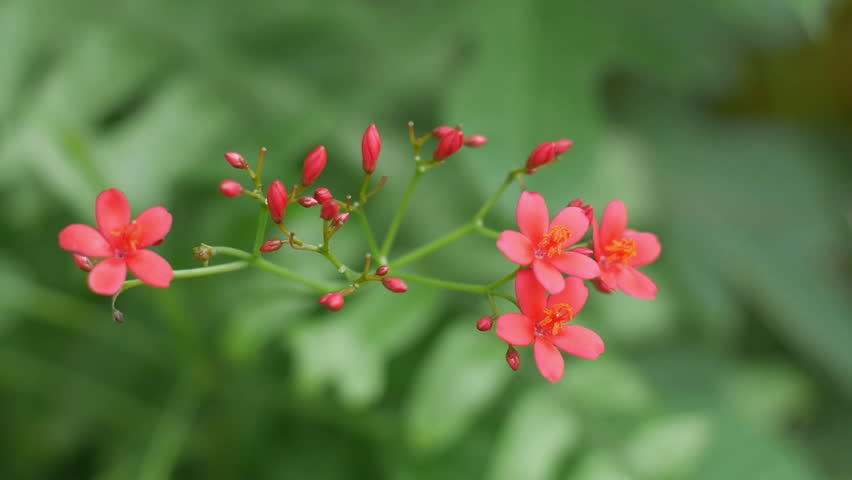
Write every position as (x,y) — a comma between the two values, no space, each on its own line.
(726,127)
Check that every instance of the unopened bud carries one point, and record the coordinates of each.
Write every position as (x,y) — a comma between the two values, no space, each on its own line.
(484,324)
(271,245)
(475,141)
(602,286)
(441,131)
(236,160)
(83,262)
(513,358)
(371,147)
(339,220)
(117,316)
(588,210)
(583,251)
(322,195)
(314,165)
(542,155)
(308,202)
(332,301)
(203,253)
(395,285)
(276,198)
(230,188)
(579,202)
(450,143)
(563,146)
(330,209)
(383,270)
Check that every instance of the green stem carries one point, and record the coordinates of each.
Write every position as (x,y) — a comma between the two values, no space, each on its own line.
(496,196)
(261,230)
(462,287)
(507,297)
(233,252)
(397,220)
(270,267)
(196,272)
(503,280)
(435,245)
(365,225)
(486,231)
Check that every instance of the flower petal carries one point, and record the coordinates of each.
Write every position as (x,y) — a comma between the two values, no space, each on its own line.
(548,359)
(153,225)
(517,248)
(575,221)
(647,248)
(108,276)
(112,211)
(579,265)
(515,329)
(151,268)
(85,240)
(579,341)
(532,297)
(636,284)
(575,294)
(549,277)
(532,216)
(614,222)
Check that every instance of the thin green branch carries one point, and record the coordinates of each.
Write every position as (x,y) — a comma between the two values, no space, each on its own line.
(368,231)
(397,220)
(433,246)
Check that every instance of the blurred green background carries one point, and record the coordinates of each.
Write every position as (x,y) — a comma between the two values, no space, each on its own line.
(725,125)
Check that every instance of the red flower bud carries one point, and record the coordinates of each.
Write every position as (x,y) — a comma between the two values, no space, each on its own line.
(339,220)
(333,301)
(602,286)
(371,147)
(276,198)
(271,245)
(322,195)
(440,132)
(484,324)
(475,141)
(308,202)
(513,359)
(563,146)
(383,270)
(395,285)
(83,262)
(450,143)
(330,209)
(542,155)
(579,202)
(314,165)
(236,160)
(230,188)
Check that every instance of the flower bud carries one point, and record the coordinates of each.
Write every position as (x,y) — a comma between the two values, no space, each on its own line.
(230,188)
(450,143)
(513,359)
(330,209)
(563,146)
(542,155)
(371,147)
(395,285)
(484,324)
(117,316)
(383,270)
(339,220)
(203,253)
(308,202)
(333,301)
(441,131)
(322,195)
(271,245)
(83,262)
(276,198)
(475,141)
(236,160)
(314,165)
(602,286)
(587,209)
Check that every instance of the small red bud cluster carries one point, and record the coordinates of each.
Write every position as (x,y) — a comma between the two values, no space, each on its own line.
(451,140)
(547,153)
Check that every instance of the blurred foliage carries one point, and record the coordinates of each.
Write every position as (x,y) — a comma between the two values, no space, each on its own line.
(724,125)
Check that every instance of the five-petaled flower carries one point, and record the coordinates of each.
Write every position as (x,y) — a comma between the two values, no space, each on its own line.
(543,244)
(620,252)
(121,242)
(543,320)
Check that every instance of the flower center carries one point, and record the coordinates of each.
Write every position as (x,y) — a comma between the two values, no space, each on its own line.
(554,319)
(125,239)
(620,251)
(553,242)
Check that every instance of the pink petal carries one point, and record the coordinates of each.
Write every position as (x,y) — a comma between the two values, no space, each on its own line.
(151,268)
(532,215)
(636,284)
(647,248)
(549,360)
(112,211)
(614,222)
(548,276)
(575,221)
(579,341)
(575,294)
(108,276)
(515,329)
(85,240)
(517,248)
(153,225)
(572,263)
(532,297)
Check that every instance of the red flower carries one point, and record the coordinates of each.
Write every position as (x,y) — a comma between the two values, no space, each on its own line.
(542,321)
(542,244)
(620,252)
(122,242)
